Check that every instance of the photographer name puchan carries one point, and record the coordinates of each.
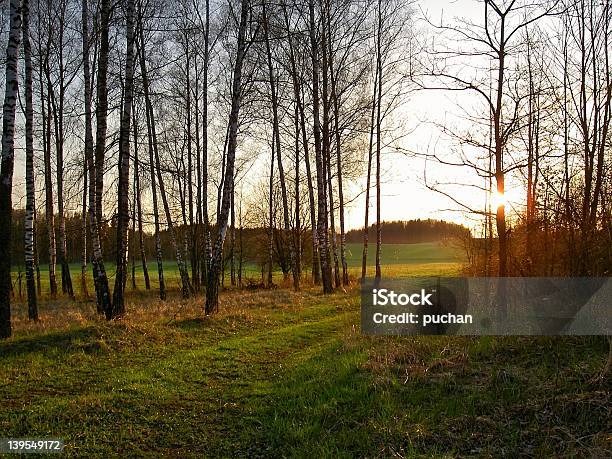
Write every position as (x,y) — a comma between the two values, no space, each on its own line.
(385,297)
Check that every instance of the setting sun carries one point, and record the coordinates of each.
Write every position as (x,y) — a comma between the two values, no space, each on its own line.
(498,199)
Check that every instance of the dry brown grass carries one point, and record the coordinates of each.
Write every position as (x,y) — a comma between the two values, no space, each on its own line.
(144,308)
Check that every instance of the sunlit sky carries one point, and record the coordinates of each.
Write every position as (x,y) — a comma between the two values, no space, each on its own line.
(404,194)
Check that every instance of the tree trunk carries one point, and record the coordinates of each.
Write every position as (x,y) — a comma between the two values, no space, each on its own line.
(49,214)
(326,158)
(138,199)
(316,261)
(150,138)
(84,290)
(212,288)
(366,225)
(530,213)
(30,230)
(271,217)
(500,216)
(36,258)
(276,139)
(205,217)
(233,236)
(123,188)
(302,122)
(6,165)
(332,218)
(197,234)
(99,271)
(336,107)
(58,123)
(297,231)
(321,187)
(66,277)
(189,181)
(378,138)
(241,244)
(132,236)
(101,109)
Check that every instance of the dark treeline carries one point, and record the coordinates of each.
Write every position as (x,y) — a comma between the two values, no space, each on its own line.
(412,231)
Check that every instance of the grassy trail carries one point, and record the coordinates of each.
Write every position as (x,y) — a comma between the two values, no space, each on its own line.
(278,373)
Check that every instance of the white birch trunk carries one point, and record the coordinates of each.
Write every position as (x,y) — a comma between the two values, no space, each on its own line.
(6,167)
(30,190)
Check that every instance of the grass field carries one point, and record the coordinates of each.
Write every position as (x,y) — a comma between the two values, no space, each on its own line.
(171,276)
(398,259)
(284,374)
(405,254)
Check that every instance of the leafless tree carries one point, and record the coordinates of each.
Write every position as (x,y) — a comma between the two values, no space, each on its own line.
(6,165)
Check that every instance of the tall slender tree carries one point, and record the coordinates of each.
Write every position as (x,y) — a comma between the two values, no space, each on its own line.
(84,290)
(335,96)
(212,284)
(150,139)
(366,225)
(301,129)
(6,164)
(45,103)
(379,68)
(276,138)
(99,272)
(322,220)
(123,186)
(205,216)
(102,106)
(30,230)
(57,90)
(138,204)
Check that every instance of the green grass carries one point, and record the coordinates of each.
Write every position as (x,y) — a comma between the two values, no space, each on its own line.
(398,259)
(403,254)
(284,374)
(171,276)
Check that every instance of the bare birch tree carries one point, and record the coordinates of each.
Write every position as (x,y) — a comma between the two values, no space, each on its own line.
(99,271)
(322,221)
(30,230)
(123,207)
(7,163)
(212,285)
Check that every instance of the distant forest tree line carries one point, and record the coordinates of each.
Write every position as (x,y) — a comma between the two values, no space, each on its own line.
(412,232)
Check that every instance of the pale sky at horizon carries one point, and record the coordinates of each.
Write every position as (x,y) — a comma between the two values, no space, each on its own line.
(404,195)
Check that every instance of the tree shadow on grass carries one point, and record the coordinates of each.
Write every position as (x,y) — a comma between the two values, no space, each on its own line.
(192,323)
(78,339)
(332,405)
